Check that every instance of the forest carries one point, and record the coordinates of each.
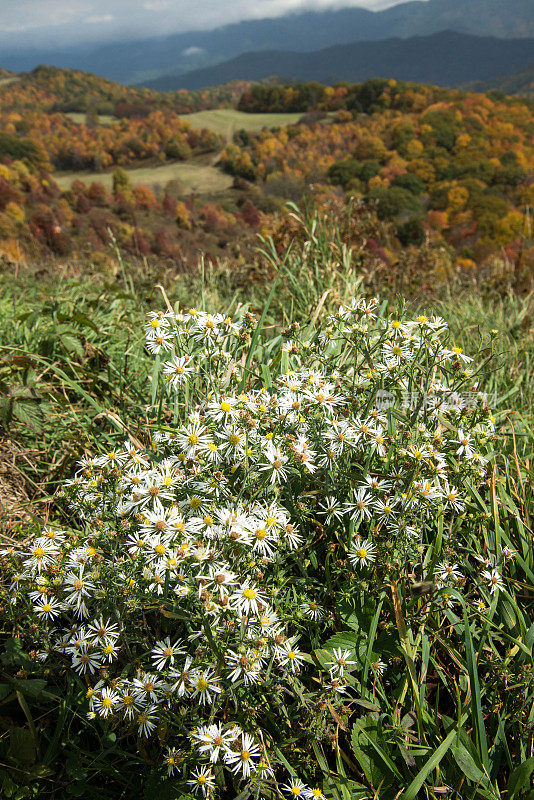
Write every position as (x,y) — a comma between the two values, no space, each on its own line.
(446,167)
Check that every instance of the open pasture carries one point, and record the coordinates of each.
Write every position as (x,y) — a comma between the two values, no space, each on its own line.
(80,118)
(195,178)
(227,121)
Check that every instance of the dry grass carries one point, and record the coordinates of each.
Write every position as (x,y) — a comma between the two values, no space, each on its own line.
(227,121)
(79,117)
(7,81)
(195,178)
(17,503)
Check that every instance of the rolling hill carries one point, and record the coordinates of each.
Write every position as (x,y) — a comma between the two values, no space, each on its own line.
(518,83)
(142,60)
(447,58)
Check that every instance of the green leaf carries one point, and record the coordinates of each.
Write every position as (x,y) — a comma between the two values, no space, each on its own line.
(357,612)
(467,764)
(412,791)
(21,746)
(520,777)
(345,639)
(5,690)
(83,319)
(72,344)
(29,413)
(33,687)
(370,750)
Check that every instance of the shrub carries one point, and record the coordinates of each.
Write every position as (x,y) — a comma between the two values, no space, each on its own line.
(411,232)
(394,202)
(219,591)
(412,183)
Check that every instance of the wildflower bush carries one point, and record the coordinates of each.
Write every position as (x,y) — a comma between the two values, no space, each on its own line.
(268,589)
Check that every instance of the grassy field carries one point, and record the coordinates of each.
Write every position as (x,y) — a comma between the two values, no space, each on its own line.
(227,121)
(79,117)
(7,81)
(452,716)
(195,178)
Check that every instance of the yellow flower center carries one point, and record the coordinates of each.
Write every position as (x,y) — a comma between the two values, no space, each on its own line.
(250,594)
(361,552)
(226,406)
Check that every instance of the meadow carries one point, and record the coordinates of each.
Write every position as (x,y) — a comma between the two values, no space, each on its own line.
(226,121)
(100,119)
(194,176)
(436,698)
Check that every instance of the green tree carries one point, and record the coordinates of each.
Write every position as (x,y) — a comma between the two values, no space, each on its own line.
(121,181)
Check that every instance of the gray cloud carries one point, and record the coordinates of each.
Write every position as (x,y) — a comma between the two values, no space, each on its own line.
(65,22)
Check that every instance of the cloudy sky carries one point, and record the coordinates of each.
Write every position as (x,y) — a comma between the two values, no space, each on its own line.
(62,22)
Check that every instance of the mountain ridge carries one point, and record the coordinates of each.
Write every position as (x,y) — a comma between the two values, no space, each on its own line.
(447,58)
(137,61)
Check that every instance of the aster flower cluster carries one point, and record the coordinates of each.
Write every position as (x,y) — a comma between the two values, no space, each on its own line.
(178,596)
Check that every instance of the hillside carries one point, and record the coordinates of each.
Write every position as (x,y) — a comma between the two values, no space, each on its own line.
(428,162)
(518,83)
(49,89)
(142,60)
(444,59)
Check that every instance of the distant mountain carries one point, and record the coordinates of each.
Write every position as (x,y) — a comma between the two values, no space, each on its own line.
(443,59)
(139,61)
(518,83)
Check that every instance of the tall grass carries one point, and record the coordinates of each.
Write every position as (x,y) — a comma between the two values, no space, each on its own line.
(73,376)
